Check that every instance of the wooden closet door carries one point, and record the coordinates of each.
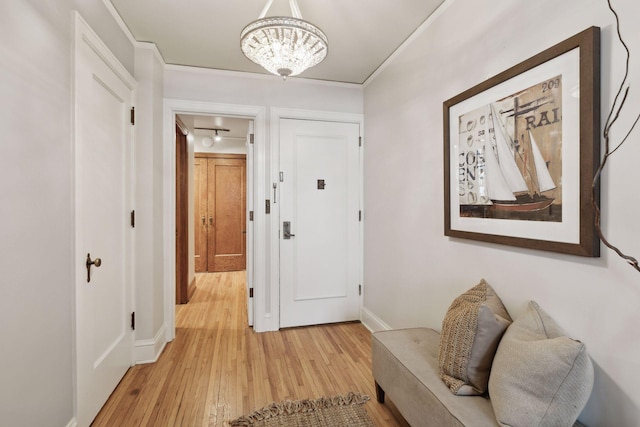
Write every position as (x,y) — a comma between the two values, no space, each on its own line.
(201,218)
(226,209)
(182,218)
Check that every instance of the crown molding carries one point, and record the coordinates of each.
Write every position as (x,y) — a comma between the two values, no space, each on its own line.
(127,32)
(259,76)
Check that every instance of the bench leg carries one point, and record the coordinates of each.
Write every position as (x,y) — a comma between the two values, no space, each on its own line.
(379,393)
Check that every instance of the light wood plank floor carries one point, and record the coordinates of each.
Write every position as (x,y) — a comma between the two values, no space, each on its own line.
(218,369)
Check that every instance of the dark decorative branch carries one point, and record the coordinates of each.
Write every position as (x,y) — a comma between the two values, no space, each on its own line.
(618,103)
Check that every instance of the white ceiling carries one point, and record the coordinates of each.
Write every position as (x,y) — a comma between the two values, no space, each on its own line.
(206,33)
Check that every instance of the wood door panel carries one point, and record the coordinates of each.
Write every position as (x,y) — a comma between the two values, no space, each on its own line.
(220,198)
(229,196)
(226,207)
(182,221)
(200,214)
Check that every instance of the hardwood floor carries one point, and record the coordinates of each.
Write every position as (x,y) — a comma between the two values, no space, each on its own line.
(218,369)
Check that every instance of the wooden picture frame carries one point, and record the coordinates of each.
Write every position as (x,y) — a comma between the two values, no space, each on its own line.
(521,150)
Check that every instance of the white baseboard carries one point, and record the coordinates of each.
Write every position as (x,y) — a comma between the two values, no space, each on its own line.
(372,322)
(148,351)
(72,423)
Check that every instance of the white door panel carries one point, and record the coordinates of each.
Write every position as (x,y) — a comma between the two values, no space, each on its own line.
(103,144)
(319,265)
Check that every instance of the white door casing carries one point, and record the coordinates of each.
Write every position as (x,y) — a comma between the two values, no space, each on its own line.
(250,234)
(255,230)
(320,199)
(103,141)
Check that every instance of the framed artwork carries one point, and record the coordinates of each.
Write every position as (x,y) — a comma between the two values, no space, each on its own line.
(521,150)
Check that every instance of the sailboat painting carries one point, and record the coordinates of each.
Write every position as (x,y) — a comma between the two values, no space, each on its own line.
(509,158)
(521,149)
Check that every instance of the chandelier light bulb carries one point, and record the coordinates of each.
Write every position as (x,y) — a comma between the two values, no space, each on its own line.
(284,46)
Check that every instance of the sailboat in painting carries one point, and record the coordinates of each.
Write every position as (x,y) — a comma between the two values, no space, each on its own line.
(508,186)
(509,156)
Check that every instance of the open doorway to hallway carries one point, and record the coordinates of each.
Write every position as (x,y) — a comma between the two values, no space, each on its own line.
(214,213)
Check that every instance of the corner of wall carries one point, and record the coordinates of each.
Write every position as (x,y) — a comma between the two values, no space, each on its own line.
(148,351)
(372,322)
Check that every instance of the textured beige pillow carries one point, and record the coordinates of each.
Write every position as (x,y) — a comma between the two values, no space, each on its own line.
(471,331)
(540,377)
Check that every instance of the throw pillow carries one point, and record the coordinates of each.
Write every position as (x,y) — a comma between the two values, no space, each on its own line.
(471,331)
(540,377)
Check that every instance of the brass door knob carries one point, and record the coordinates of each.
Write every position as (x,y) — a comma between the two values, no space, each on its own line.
(97,262)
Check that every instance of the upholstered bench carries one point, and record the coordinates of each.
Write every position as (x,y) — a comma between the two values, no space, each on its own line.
(405,366)
(538,376)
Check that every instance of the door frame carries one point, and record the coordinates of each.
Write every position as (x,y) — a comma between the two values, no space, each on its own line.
(289,113)
(256,235)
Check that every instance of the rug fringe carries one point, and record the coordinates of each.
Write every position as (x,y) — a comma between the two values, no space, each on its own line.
(288,407)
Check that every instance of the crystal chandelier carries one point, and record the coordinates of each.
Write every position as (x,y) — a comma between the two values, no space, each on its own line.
(285,46)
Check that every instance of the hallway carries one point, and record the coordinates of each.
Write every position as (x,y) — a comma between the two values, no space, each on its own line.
(218,369)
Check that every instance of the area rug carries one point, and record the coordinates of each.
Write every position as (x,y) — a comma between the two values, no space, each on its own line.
(347,410)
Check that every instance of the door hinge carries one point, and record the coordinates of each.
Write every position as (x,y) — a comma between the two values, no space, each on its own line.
(359,289)
(133,115)
(251,138)
(267,206)
(359,141)
(133,320)
(250,215)
(359,216)
(250,292)
(281,176)
(133,218)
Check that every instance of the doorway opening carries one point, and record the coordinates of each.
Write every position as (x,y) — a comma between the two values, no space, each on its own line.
(213,193)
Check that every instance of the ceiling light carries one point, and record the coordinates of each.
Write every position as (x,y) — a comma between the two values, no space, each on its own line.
(285,46)
(217,137)
(207,142)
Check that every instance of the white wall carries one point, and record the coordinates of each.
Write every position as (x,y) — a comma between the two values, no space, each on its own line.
(198,84)
(226,146)
(36,212)
(413,272)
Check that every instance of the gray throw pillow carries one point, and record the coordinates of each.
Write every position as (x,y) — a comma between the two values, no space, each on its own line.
(471,331)
(540,377)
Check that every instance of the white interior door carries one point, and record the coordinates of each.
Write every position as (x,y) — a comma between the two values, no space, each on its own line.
(103,144)
(320,201)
